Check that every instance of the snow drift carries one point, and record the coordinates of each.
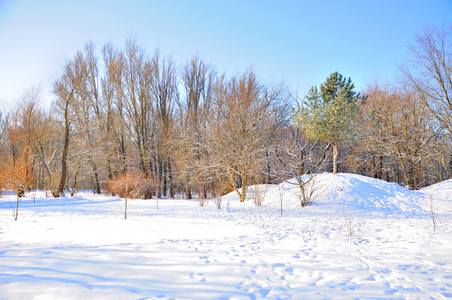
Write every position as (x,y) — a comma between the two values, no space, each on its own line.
(81,247)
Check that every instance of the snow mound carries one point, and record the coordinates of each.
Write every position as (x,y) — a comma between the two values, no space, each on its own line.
(367,193)
(441,195)
(440,190)
(338,192)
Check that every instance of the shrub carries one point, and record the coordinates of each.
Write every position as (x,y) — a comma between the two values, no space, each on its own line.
(217,202)
(260,190)
(131,185)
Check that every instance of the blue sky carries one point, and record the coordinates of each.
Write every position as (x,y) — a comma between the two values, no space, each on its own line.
(299,42)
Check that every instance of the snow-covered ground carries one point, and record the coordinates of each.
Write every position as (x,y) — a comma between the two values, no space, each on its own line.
(82,248)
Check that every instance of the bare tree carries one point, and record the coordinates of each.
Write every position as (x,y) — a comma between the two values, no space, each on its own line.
(90,118)
(403,128)
(241,126)
(21,131)
(137,101)
(65,88)
(430,71)
(300,158)
(164,93)
(40,130)
(114,130)
(192,157)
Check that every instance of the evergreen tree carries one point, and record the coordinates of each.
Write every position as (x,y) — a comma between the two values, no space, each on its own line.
(328,113)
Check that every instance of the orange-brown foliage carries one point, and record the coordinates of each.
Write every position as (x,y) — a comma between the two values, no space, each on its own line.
(131,185)
(15,174)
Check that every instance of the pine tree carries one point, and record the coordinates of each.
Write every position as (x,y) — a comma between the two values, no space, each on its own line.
(328,113)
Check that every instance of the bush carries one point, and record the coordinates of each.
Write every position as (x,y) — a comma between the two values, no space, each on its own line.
(131,185)
(260,190)
(2,182)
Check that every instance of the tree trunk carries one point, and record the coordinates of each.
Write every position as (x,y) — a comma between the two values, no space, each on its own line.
(335,155)
(170,178)
(303,195)
(269,176)
(243,194)
(125,210)
(165,178)
(96,177)
(65,150)
(380,168)
(109,170)
(123,159)
(202,184)
(159,178)
(74,187)
(16,214)
(43,157)
(449,169)
(143,162)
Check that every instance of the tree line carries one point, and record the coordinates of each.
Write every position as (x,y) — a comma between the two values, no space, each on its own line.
(191,130)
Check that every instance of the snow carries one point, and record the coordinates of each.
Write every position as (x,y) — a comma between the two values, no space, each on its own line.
(82,248)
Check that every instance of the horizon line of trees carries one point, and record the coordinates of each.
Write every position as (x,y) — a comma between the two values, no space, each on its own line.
(192,130)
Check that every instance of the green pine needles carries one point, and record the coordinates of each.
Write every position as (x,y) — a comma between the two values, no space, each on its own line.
(329,113)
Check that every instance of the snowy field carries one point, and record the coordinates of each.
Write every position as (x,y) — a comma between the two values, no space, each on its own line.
(82,248)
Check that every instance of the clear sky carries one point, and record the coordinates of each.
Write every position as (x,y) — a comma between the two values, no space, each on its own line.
(299,42)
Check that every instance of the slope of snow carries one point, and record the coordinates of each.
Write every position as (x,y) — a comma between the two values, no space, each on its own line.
(441,196)
(345,191)
(82,248)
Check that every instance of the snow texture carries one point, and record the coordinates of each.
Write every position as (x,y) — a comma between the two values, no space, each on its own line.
(82,248)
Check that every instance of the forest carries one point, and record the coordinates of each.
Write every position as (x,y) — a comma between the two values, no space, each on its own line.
(141,125)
